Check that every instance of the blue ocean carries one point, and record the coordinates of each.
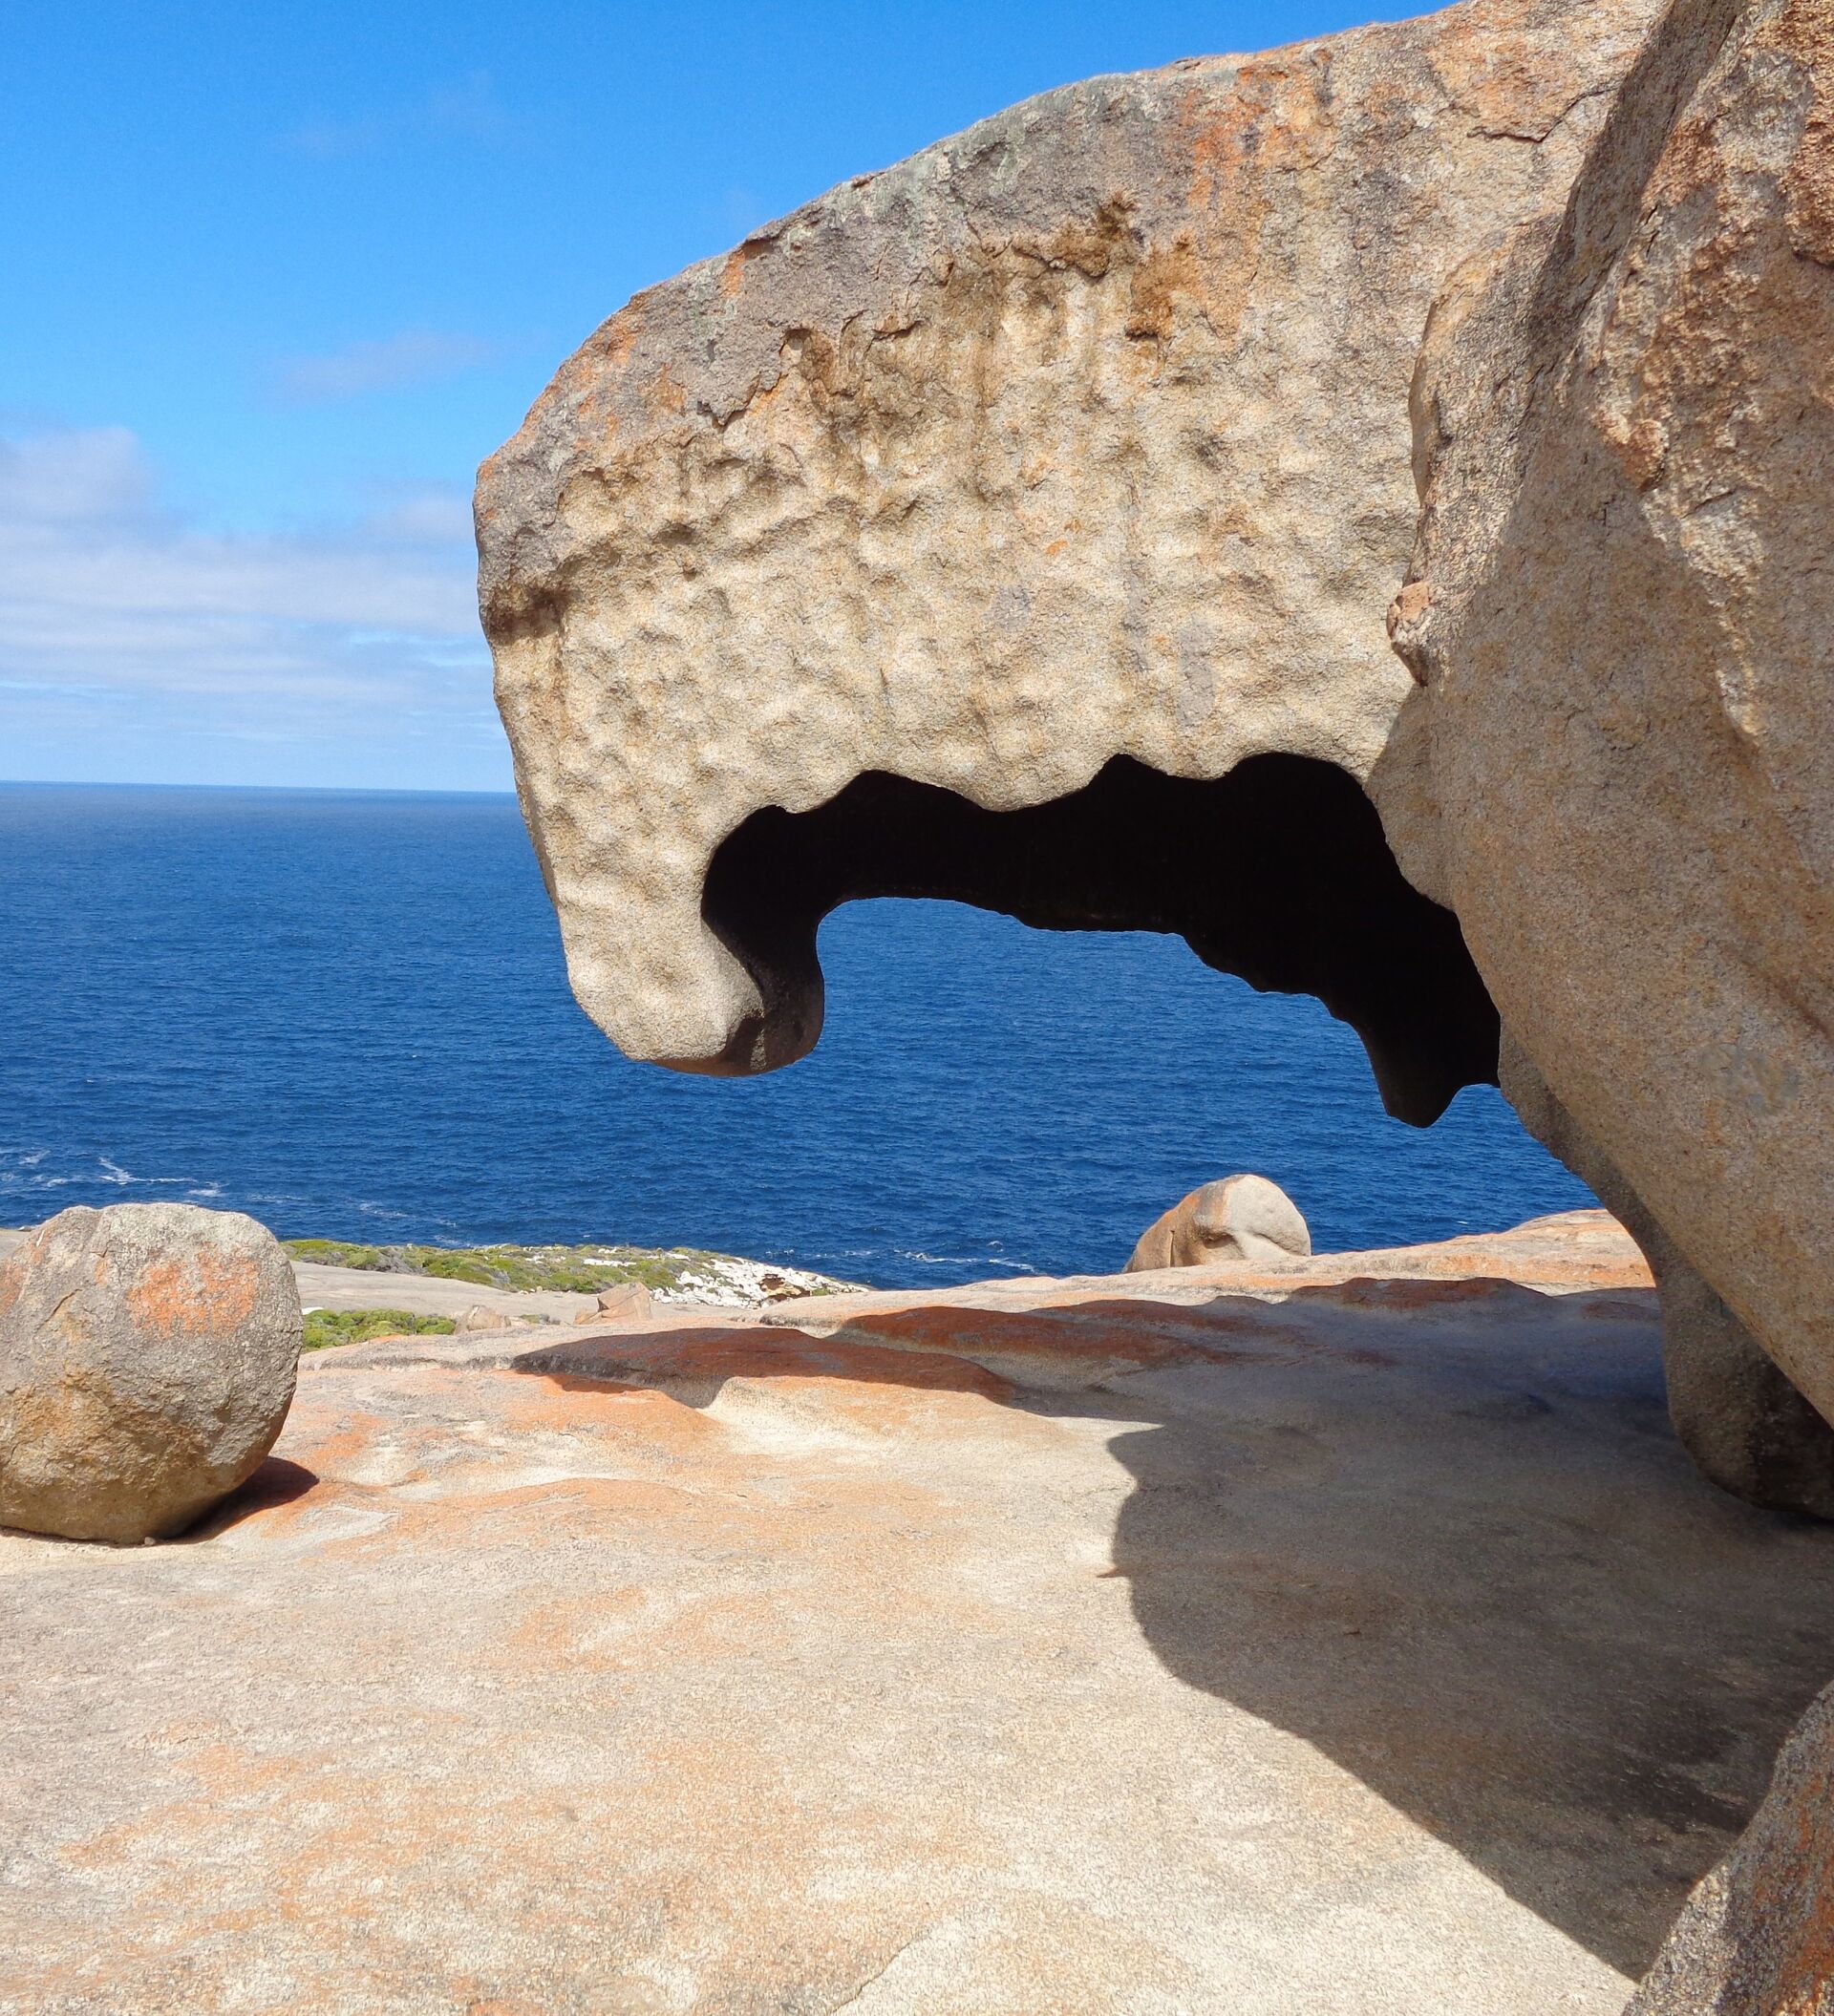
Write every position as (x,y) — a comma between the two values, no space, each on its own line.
(346,1012)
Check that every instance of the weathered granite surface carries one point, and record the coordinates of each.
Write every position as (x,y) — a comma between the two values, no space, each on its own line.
(979,532)
(1733,1405)
(1357,1641)
(1757,1937)
(1010,525)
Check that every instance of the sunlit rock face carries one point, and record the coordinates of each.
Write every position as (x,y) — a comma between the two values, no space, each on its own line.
(1620,768)
(1015,525)
(1081,437)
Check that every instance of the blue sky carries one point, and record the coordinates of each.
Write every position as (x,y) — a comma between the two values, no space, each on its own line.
(279,276)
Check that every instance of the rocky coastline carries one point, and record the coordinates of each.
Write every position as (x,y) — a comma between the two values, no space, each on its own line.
(538,1284)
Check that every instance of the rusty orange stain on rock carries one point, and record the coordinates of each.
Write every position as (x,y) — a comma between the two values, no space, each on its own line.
(204,1292)
(732,272)
(1071,1345)
(1367,1292)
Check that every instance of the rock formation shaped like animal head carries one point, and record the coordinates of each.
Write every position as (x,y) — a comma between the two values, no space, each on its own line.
(1017,524)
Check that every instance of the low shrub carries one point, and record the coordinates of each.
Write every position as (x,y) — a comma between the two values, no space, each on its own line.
(338,1253)
(328,1327)
(580,1270)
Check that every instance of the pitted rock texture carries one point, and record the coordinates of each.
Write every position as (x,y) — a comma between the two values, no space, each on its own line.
(147,1358)
(1757,1937)
(1240,1218)
(1620,768)
(1081,436)
(1350,1639)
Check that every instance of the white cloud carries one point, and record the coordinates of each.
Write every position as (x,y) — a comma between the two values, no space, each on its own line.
(389,364)
(96,472)
(430,515)
(363,631)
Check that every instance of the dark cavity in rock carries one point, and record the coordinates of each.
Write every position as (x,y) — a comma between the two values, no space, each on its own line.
(1278,873)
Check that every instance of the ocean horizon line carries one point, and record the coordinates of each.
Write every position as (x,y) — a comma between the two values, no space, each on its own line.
(327,790)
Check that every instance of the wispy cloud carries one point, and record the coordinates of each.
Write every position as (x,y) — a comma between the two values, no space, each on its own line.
(94,473)
(464,109)
(434,514)
(108,601)
(384,364)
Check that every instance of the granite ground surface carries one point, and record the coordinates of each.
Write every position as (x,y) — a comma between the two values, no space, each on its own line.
(1354,1639)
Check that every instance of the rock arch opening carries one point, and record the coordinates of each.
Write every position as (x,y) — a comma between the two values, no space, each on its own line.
(1278,873)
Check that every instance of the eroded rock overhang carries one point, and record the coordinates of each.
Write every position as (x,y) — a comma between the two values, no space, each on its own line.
(1081,437)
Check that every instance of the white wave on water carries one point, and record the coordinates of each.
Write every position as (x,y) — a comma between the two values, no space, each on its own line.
(966,1260)
(415,1218)
(22,1173)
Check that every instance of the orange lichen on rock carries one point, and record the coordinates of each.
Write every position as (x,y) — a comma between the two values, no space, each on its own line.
(201,1293)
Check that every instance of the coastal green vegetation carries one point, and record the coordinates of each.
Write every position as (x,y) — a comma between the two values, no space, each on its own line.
(581,1270)
(328,1327)
(340,1253)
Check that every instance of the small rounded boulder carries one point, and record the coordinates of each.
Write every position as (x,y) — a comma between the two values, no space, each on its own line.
(1242,1220)
(147,1360)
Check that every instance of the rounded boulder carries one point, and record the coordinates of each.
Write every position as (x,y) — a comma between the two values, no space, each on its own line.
(147,1360)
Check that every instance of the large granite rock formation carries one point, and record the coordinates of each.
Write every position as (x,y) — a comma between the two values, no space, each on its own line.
(1063,466)
(1352,1639)
(1010,525)
(147,1357)
(1620,768)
